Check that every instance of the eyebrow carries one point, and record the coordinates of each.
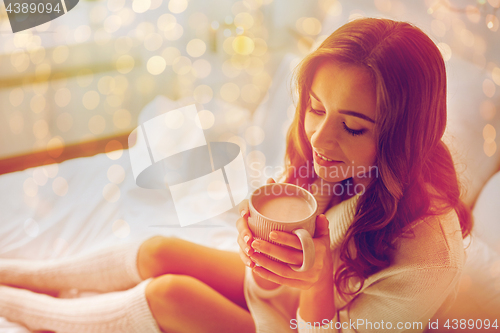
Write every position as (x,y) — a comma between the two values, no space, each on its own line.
(347,112)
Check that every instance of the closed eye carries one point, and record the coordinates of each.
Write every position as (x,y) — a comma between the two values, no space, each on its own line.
(351,131)
(318,112)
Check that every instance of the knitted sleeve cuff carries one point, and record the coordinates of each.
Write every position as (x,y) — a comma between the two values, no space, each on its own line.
(255,289)
(315,327)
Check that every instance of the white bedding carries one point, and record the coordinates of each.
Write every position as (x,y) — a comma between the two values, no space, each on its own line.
(49,225)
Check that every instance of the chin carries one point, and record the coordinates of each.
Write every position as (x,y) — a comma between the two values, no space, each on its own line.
(322,173)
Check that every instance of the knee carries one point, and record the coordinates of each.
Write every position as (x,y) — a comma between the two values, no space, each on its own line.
(168,292)
(151,257)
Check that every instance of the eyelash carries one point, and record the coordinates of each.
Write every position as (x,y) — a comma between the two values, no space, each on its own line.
(347,129)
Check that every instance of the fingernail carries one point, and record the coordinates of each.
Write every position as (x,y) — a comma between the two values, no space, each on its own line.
(247,250)
(273,235)
(256,244)
(243,212)
(246,238)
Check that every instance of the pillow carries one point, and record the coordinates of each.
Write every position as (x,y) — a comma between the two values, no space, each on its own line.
(270,121)
(466,122)
(487,214)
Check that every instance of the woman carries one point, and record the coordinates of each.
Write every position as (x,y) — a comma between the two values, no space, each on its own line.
(368,128)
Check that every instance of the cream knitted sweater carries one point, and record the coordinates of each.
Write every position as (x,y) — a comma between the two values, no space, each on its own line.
(421,281)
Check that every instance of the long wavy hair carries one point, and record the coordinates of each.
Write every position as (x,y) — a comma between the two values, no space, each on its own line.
(417,176)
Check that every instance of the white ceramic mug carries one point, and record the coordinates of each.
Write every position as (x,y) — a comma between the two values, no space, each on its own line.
(285,207)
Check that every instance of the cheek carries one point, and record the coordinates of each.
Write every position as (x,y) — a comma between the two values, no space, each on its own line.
(308,127)
(368,153)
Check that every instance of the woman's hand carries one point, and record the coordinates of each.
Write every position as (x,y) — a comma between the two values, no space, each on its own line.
(245,236)
(320,275)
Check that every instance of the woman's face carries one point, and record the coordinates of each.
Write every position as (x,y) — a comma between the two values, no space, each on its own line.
(340,122)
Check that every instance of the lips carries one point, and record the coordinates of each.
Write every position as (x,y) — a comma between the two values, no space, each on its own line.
(323,160)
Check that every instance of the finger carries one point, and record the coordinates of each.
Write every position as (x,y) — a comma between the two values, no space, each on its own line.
(268,275)
(244,245)
(243,231)
(270,181)
(285,238)
(284,254)
(322,226)
(246,260)
(276,267)
(243,208)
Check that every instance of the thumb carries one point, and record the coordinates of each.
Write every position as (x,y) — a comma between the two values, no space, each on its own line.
(322,226)
(270,181)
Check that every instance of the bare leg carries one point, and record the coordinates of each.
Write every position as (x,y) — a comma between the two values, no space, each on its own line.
(223,271)
(181,303)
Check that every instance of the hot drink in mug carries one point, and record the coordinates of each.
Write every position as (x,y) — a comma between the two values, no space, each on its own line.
(288,208)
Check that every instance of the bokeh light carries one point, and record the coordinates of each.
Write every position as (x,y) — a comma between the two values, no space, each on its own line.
(16,96)
(487,110)
(141,6)
(91,99)
(116,174)
(31,227)
(16,122)
(175,33)
(196,48)
(230,92)
(122,119)
(205,119)
(40,128)
(181,65)
(55,146)
(243,45)
(156,65)
(174,119)
(489,133)
(203,94)
(177,6)
(85,77)
(121,229)
(490,148)
(125,63)
(64,122)
(244,20)
(170,54)
(30,187)
(495,74)
(62,97)
(111,193)
(445,51)
(114,150)
(201,68)
(60,54)
(254,135)
(489,88)
(492,22)
(217,190)
(40,176)
(153,42)
(60,186)
(97,124)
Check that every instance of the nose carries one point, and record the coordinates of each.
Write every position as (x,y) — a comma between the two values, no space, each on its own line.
(326,134)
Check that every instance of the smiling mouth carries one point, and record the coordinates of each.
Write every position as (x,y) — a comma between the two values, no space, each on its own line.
(324,157)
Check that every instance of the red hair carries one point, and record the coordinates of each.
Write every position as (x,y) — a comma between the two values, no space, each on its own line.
(417,177)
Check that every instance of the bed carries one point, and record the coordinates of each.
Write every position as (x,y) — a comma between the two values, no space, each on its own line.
(85,204)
